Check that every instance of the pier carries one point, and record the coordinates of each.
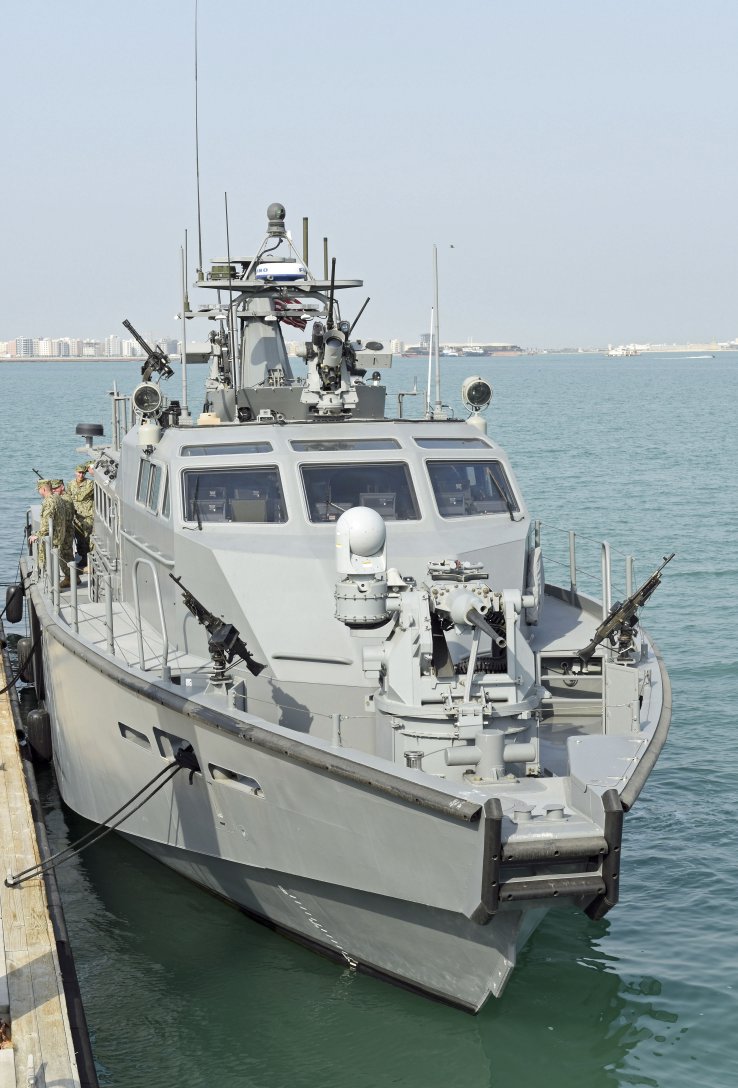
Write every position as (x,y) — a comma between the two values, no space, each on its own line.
(43,1037)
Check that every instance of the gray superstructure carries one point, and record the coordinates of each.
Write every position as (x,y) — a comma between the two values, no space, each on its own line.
(404,745)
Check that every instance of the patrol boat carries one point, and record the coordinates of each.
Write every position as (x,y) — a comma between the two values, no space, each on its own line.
(399,743)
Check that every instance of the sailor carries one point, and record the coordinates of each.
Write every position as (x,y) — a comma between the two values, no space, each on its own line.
(60,510)
(81,492)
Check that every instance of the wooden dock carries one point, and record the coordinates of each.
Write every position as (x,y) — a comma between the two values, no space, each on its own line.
(36,1044)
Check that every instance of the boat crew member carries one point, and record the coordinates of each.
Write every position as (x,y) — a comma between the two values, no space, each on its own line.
(60,510)
(58,488)
(81,492)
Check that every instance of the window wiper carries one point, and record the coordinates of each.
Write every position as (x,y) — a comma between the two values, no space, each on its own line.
(195,503)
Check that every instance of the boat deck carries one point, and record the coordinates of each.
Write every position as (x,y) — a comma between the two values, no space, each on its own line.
(92,623)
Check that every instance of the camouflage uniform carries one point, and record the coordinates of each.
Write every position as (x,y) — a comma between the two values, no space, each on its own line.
(62,512)
(82,495)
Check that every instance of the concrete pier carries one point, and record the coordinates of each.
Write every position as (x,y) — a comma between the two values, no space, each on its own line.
(37,1041)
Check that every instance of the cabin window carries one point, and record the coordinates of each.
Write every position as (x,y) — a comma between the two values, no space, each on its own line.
(166,505)
(150,479)
(469,488)
(144,478)
(452,443)
(332,489)
(155,488)
(331,445)
(234,495)
(230,449)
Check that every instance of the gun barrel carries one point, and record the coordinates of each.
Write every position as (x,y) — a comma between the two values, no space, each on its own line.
(329,320)
(137,336)
(625,611)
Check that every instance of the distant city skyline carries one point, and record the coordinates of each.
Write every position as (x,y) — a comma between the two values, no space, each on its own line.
(78,347)
(116,347)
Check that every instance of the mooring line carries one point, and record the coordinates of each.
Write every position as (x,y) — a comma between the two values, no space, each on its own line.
(13,880)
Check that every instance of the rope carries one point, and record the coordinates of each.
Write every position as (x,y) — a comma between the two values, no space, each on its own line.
(99,831)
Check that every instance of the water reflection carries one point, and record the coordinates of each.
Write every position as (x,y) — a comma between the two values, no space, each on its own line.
(204,995)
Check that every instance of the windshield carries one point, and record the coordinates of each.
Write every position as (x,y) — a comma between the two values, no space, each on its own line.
(332,489)
(468,488)
(234,494)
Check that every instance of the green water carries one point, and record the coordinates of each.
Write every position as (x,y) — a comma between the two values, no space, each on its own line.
(182,990)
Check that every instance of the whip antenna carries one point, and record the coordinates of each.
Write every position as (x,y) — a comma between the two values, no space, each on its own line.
(197,160)
(231,318)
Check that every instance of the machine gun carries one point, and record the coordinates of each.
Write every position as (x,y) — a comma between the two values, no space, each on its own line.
(623,615)
(225,643)
(157,361)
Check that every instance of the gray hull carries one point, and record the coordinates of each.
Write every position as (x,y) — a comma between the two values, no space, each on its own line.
(388,885)
(437,953)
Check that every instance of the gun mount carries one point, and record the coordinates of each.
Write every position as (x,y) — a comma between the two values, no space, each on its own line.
(157,361)
(225,643)
(623,617)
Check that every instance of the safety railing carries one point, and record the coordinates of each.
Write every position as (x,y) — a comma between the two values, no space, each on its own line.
(584,578)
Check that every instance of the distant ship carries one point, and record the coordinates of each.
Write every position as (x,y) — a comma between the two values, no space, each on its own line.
(412,351)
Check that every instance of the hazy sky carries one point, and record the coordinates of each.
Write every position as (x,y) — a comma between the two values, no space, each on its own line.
(581,157)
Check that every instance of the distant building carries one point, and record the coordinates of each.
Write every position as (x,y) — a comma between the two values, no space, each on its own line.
(25,346)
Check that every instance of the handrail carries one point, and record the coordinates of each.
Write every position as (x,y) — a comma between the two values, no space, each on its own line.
(149,551)
(606,580)
(139,629)
(571,563)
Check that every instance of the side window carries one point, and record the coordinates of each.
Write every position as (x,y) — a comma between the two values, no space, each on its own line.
(144,476)
(150,480)
(165,506)
(154,488)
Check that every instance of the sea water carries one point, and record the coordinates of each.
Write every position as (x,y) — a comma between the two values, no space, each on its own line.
(181,989)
